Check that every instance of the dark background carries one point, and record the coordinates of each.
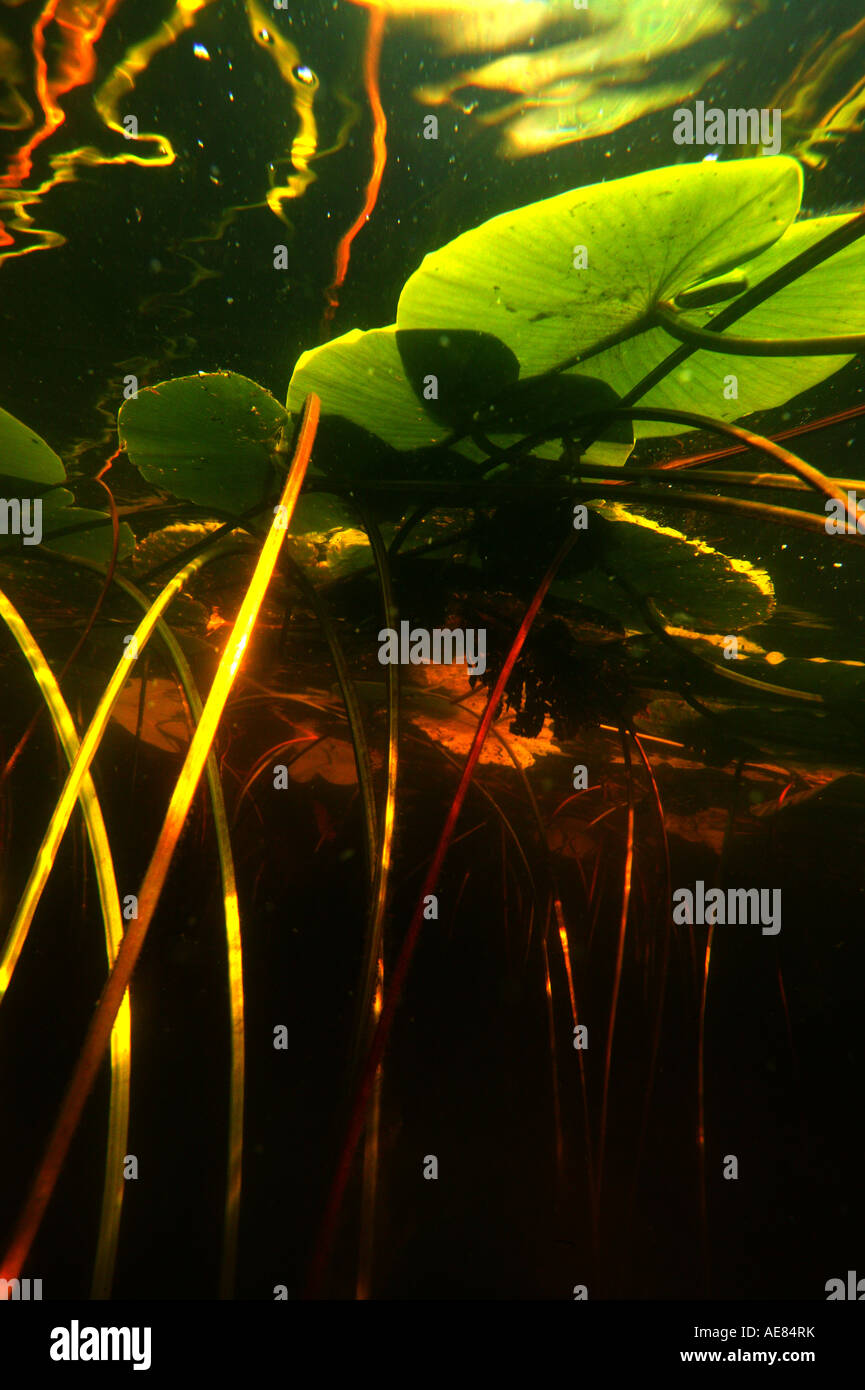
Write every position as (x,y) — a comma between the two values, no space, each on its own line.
(469,1075)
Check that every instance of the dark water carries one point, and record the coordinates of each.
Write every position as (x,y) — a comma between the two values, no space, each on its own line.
(468,1076)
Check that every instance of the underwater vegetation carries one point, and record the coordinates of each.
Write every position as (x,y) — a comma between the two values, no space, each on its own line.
(443,892)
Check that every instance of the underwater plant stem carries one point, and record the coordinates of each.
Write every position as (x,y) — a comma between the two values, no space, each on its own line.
(620,955)
(234,959)
(352,709)
(79,770)
(372,980)
(806,471)
(674,322)
(121,1034)
(701,1110)
(357,1119)
(383,852)
(98,1034)
(806,260)
(665,956)
(734,477)
(635,492)
(594,1188)
(554,1068)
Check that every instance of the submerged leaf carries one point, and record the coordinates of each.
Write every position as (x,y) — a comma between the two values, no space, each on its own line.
(23,454)
(94,543)
(689,583)
(209,439)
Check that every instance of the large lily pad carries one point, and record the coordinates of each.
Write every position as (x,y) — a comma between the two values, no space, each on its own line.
(822,302)
(646,237)
(361,378)
(207,438)
(513,283)
(690,584)
(25,456)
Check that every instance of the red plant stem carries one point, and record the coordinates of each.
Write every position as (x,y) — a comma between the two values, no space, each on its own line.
(379,1043)
(807,428)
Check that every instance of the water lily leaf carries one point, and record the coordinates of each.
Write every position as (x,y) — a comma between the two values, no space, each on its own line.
(834,680)
(551,402)
(23,454)
(820,303)
(692,585)
(646,238)
(207,438)
(455,372)
(93,543)
(361,377)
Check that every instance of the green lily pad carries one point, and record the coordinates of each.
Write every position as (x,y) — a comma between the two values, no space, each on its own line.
(361,378)
(820,303)
(23,454)
(455,373)
(512,285)
(692,585)
(646,237)
(207,438)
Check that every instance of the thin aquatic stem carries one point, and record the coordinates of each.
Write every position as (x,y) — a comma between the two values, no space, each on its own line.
(620,955)
(635,491)
(96,1041)
(352,709)
(671,319)
(392,997)
(373,975)
(806,471)
(106,881)
(234,959)
(78,772)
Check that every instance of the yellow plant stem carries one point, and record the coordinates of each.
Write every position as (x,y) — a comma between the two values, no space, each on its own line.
(106,882)
(99,1032)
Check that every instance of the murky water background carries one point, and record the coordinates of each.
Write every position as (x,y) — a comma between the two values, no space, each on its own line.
(142,284)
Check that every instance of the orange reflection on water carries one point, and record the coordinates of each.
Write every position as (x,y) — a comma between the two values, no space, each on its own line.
(76,27)
(81,24)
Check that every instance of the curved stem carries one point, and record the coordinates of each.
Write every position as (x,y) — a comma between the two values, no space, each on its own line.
(635,492)
(812,256)
(391,999)
(775,451)
(101,1025)
(669,318)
